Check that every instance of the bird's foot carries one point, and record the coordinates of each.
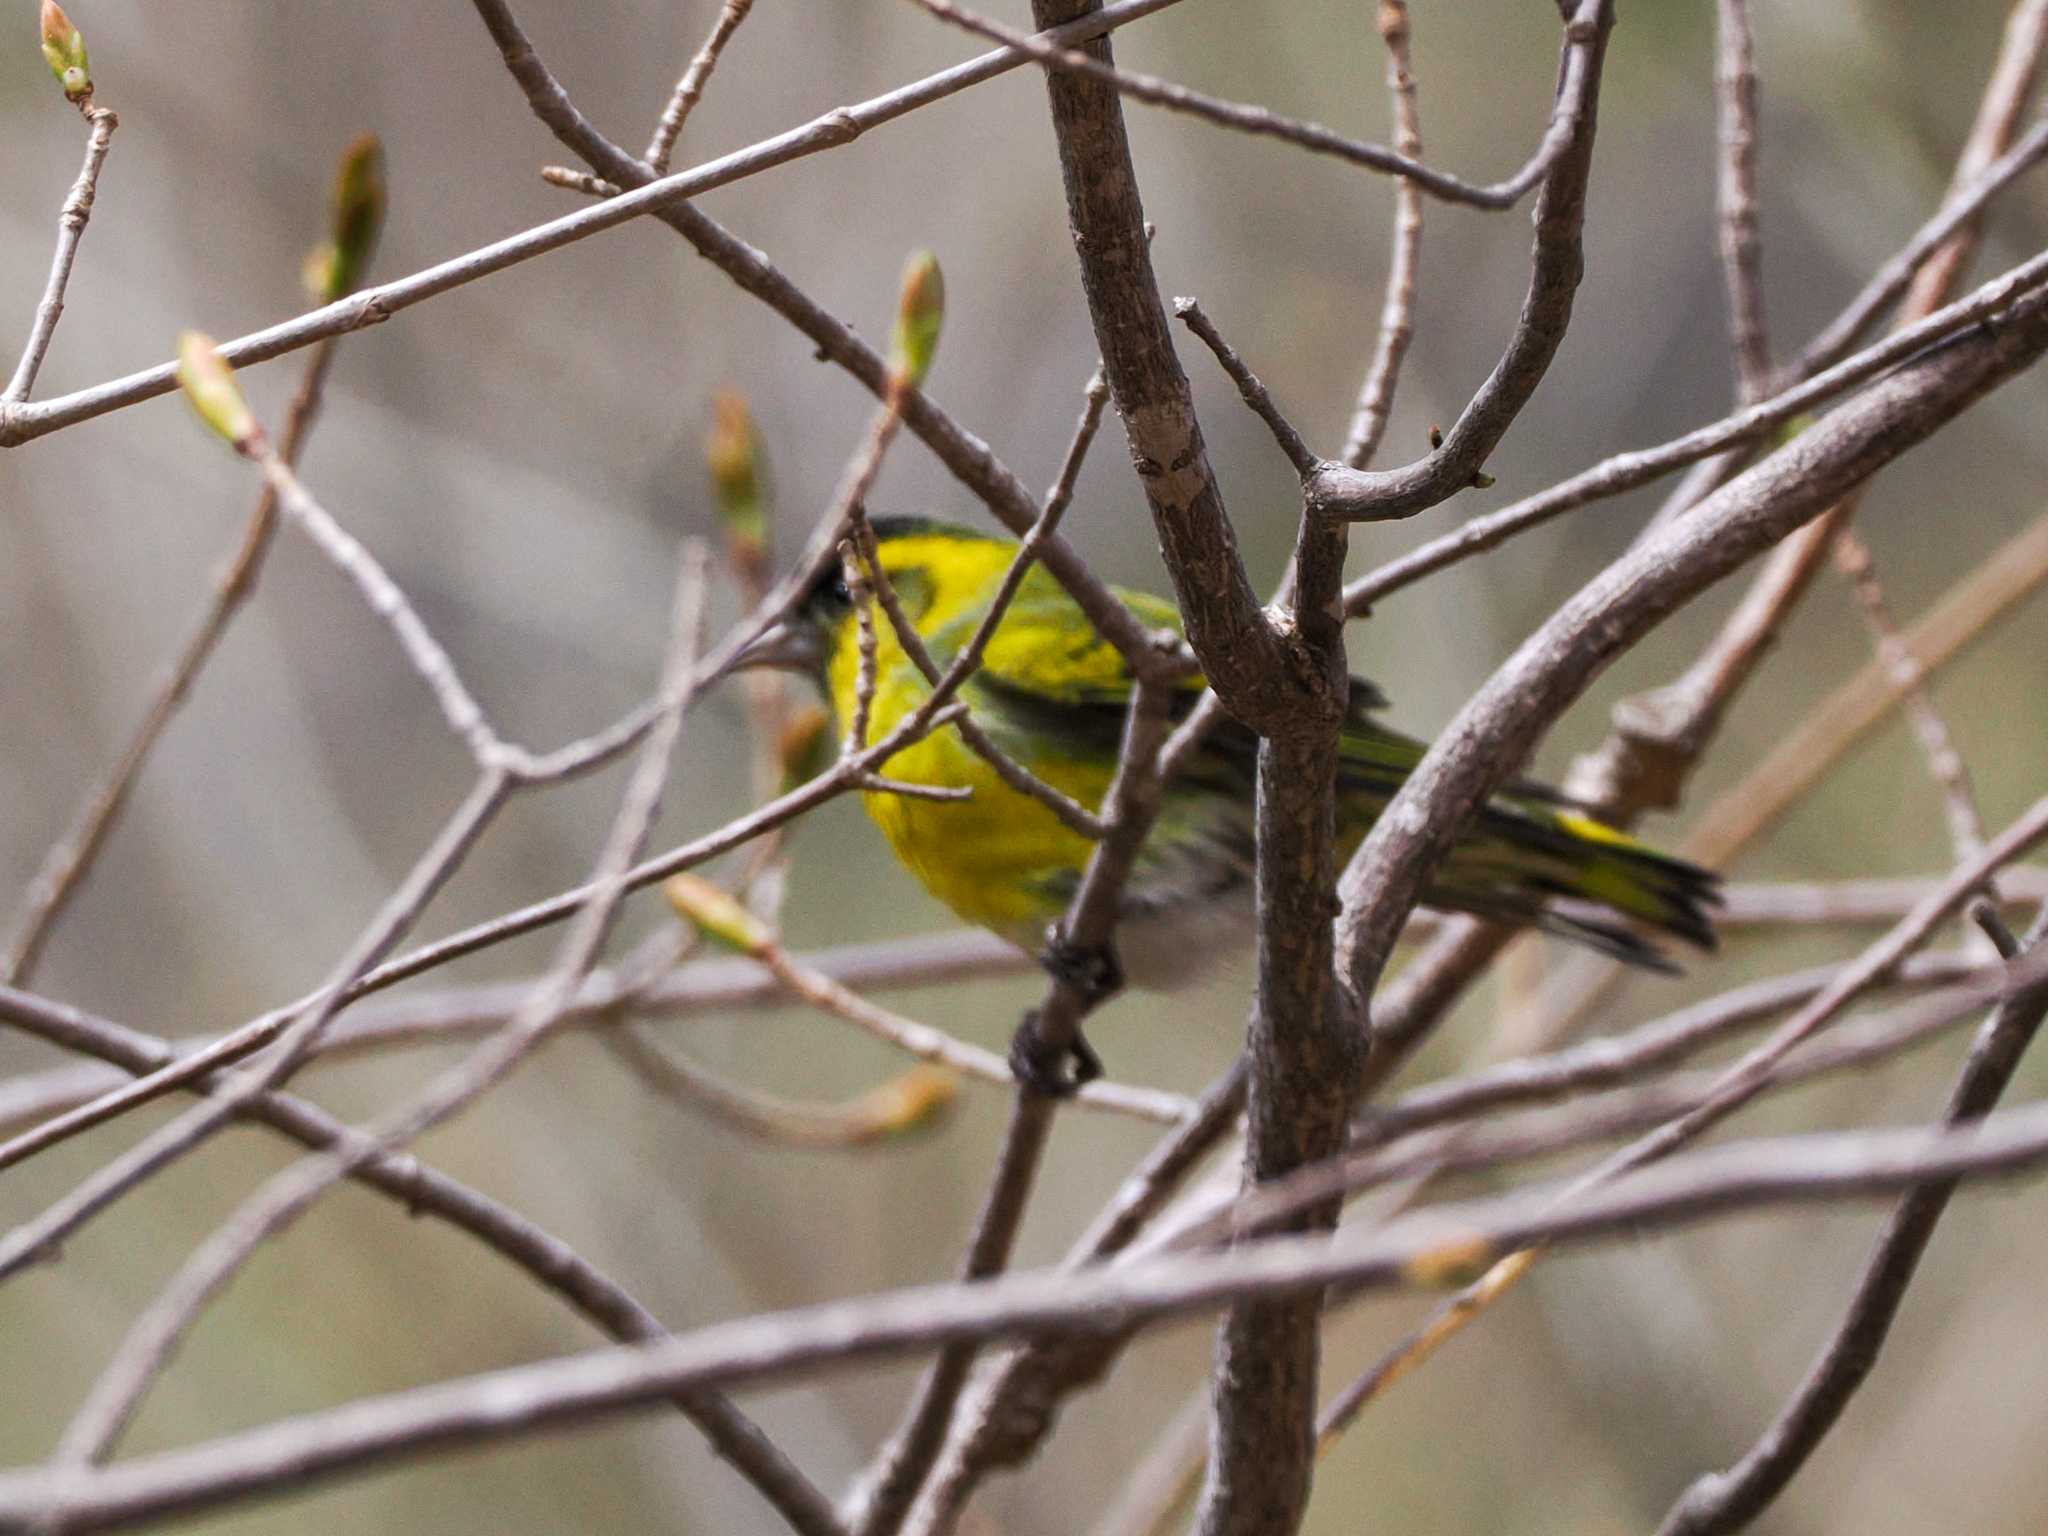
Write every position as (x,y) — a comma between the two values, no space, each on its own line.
(1057,1061)
(1056,1068)
(1092,970)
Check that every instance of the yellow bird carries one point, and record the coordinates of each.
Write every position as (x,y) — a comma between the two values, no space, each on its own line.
(1052,694)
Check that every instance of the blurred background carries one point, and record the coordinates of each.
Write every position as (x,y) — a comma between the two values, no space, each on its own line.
(524,453)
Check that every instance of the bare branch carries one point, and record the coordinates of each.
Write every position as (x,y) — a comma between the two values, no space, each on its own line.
(1741,246)
(691,87)
(965,455)
(1626,471)
(423,652)
(2013,572)
(606,998)
(1072,814)
(68,863)
(1414,1249)
(293,1030)
(1659,736)
(21,423)
(1751,1074)
(1937,744)
(1493,733)
(2006,94)
(1259,121)
(1965,205)
(1728,1501)
(1337,491)
(71,222)
(1255,395)
(1612,1060)
(146,1349)
(421,1190)
(914,1098)
(1007,1412)
(1240,650)
(1397,310)
(934,1045)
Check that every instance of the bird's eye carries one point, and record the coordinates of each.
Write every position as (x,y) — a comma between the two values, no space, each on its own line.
(840,593)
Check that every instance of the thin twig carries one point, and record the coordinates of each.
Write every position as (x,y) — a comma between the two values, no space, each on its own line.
(862,595)
(1937,744)
(1075,816)
(933,713)
(1626,471)
(39,1102)
(1660,736)
(1259,121)
(934,1045)
(688,89)
(1727,1501)
(1337,492)
(2011,574)
(1735,819)
(71,222)
(421,1190)
(1964,205)
(1397,309)
(294,1030)
(423,651)
(1617,1059)
(1254,394)
(966,456)
(1495,730)
(940,959)
(1009,1413)
(1165,1477)
(149,1343)
(884,1497)
(889,1492)
(67,864)
(1741,245)
(1491,1147)
(21,423)
(1008,1409)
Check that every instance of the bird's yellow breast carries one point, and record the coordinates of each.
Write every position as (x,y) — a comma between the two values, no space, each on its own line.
(998,858)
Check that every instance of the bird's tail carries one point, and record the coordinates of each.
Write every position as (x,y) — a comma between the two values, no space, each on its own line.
(1533,859)
(1562,871)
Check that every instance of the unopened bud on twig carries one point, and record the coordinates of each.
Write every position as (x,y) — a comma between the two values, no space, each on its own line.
(920,311)
(335,268)
(717,914)
(64,50)
(732,452)
(1456,1261)
(209,383)
(912,1101)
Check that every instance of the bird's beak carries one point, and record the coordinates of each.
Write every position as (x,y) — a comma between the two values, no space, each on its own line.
(791,647)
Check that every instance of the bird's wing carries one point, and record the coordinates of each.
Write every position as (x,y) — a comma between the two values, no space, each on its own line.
(1046,651)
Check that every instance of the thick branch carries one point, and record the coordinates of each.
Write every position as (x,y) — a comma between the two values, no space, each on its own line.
(1493,734)
(1411,1250)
